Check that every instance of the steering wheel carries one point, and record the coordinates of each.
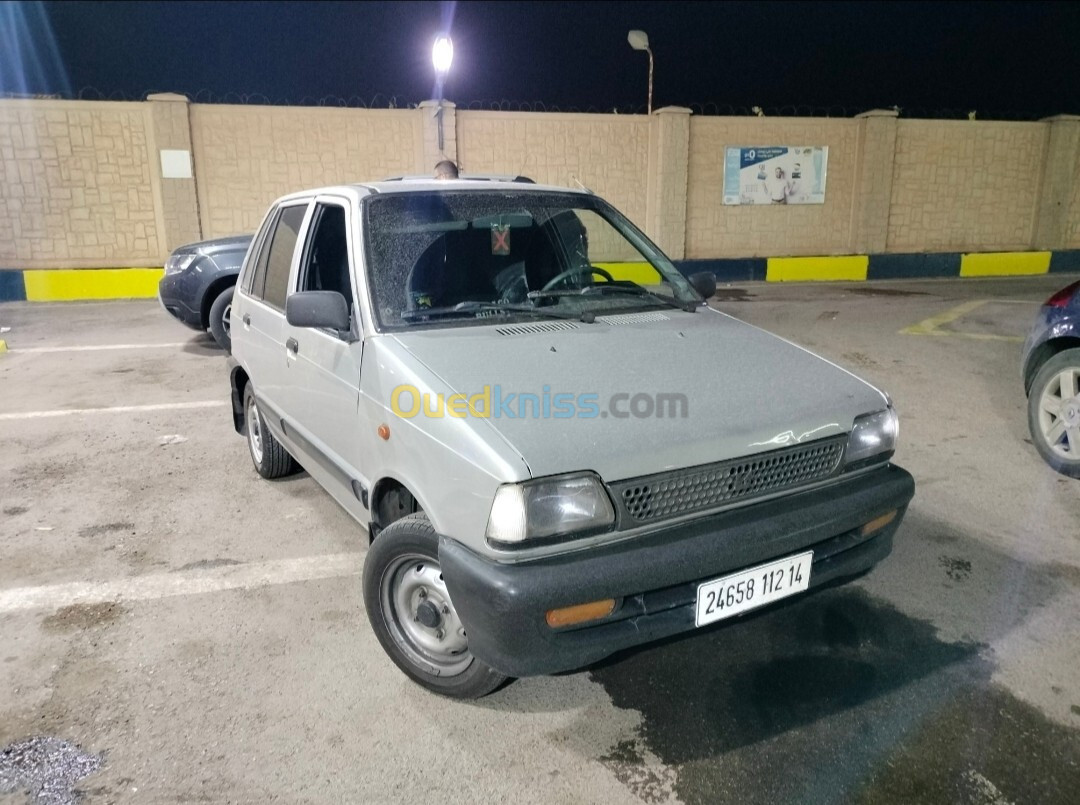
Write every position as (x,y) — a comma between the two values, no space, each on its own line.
(571,272)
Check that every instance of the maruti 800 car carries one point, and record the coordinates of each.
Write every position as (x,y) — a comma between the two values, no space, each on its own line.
(557,448)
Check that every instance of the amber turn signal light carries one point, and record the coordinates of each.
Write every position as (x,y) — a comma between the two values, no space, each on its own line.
(877,523)
(568,616)
(384,432)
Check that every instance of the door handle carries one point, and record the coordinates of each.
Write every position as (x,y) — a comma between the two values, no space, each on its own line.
(292,346)
(247,319)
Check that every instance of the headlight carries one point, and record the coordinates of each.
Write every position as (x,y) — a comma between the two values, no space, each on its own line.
(549,507)
(178,262)
(871,436)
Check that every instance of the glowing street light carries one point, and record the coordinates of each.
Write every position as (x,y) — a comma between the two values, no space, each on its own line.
(639,40)
(442,54)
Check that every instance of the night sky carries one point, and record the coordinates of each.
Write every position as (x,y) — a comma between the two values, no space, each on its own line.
(1007,60)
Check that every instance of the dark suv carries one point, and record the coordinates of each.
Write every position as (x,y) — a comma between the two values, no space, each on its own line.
(198,284)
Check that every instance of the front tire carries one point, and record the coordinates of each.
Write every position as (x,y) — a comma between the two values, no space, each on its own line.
(413,617)
(271,460)
(220,319)
(1054,412)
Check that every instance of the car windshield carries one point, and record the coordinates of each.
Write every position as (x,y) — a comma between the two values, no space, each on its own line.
(464,257)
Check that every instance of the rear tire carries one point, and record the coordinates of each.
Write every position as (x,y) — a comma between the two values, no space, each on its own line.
(413,617)
(271,460)
(220,319)
(1054,412)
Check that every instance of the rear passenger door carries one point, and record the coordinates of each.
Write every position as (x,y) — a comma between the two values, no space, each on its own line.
(261,346)
(322,398)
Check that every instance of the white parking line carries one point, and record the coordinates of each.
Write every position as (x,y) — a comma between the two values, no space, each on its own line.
(189,582)
(97,347)
(116,409)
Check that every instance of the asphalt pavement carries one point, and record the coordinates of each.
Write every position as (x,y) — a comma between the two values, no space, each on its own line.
(175,629)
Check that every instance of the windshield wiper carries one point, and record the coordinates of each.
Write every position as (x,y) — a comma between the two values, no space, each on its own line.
(623,286)
(471,308)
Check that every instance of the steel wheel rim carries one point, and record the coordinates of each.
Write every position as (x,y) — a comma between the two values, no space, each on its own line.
(410,588)
(254,432)
(226,319)
(1059,413)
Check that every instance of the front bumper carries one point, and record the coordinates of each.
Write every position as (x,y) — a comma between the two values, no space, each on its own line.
(655,577)
(175,295)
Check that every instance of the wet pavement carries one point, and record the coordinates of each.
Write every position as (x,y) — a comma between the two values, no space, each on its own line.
(173,628)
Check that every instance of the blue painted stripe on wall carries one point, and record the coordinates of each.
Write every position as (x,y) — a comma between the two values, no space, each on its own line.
(1065,261)
(904,266)
(745,269)
(12,287)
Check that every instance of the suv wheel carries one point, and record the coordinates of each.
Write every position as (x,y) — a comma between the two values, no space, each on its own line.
(269,457)
(413,616)
(1054,412)
(221,319)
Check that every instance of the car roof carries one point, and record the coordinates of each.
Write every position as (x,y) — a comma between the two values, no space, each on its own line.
(419,184)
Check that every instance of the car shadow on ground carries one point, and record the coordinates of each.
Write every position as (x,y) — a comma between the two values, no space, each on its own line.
(203,344)
(842,696)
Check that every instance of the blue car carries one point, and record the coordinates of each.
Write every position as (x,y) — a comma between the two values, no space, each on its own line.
(198,284)
(1052,381)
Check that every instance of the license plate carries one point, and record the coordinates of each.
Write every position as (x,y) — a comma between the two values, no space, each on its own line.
(749,589)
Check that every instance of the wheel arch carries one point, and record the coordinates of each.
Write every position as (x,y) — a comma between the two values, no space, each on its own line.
(213,290)
(1044,352)
(392,499)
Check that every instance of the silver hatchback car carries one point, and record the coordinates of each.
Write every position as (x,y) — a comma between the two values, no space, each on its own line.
(557,449)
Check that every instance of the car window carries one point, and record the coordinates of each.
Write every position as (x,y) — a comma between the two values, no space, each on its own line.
(325,264)
(257,276)
(280,253)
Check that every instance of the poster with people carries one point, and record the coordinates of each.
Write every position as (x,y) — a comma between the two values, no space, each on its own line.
(775,174)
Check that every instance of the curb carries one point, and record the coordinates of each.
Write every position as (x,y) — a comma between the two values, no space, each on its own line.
(85,284)
(78,284)
(886,266)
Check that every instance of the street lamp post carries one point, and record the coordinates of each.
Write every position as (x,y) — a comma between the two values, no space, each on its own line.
(442,54)
(639,40)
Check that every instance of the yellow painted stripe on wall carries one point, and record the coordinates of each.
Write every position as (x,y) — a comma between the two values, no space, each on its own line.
(69,285)
(641,273)
(1004,264)
(816,269)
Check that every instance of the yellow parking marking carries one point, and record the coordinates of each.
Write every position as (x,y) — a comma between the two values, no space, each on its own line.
(933,325)
(3,345)
(1004,264)
(191,582)
(816,269)
(117,409)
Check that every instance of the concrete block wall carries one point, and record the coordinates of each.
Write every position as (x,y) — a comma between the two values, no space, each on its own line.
(715,230)
(246,156)
(83,185)
(76,185)
(960,185)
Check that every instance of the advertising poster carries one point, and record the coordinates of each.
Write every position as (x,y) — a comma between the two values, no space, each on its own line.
(775,174)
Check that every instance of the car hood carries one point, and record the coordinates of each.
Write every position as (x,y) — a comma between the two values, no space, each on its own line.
(746,391)
(217,245)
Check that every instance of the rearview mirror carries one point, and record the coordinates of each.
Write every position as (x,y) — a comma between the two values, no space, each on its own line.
(318,309)
(704,283)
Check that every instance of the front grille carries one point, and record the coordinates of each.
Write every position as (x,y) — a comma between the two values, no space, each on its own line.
(671,494)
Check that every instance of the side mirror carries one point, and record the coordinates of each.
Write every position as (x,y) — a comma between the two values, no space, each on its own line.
(318,309)
(704,283)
